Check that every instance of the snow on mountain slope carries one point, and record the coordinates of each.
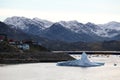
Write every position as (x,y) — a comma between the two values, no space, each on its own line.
(110,29)
(59,32)
(23,23)
(31,26)
(72,25)
(43,22)
(88,28)
(107,30)
(36,25)
(111,25)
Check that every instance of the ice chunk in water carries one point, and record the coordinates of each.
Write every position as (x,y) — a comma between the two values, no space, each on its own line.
(83,62)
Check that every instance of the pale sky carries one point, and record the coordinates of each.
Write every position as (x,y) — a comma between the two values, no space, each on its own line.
(96,11)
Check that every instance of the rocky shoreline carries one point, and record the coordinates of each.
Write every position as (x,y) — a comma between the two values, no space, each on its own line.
(33,57)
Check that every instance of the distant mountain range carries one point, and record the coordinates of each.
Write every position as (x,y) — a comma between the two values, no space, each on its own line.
(59,33)
(69,31)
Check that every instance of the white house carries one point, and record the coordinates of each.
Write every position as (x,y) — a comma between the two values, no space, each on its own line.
(23,46)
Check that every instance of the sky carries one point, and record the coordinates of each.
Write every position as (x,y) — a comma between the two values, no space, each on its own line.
(96,11)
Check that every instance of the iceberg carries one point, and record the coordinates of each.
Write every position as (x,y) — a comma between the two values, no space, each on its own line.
(83,62)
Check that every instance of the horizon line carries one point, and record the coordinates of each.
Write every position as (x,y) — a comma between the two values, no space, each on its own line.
(57,20)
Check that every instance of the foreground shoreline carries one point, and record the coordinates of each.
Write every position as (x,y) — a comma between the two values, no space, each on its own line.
(37,57)
(90,52)
(33,57)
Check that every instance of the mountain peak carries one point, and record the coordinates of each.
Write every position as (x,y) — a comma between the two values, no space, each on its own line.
(57,25)
(112,22)
(73,21)
(90,24)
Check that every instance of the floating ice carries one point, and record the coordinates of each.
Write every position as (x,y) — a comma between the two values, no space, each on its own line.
(83,62)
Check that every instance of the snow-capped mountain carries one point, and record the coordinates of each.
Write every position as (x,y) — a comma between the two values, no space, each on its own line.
(12,33)
(73,25)
(88,28)
(66,30)
(110,29)
(31,26)
(43,22)
(59,32)
(107,30)
(22,22)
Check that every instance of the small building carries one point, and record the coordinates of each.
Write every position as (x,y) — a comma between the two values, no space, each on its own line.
(12,42)
(23,46)
(26,46)
(1,38)
(19,44)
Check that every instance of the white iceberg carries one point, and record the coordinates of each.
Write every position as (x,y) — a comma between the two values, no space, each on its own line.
(83,62)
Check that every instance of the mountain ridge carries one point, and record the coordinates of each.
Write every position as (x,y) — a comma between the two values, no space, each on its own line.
(74,31)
